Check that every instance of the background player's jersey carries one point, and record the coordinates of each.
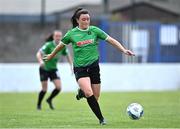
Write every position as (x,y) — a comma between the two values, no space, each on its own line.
(85,44)
(47,48)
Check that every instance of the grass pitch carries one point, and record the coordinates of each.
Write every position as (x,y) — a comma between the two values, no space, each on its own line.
(161,110)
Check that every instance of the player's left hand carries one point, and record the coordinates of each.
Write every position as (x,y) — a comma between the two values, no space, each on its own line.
(129,53)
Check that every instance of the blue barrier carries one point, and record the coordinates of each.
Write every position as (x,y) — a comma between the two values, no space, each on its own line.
(155,47)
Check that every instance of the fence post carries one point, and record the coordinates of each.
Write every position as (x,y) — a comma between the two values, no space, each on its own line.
(102,46)
(157,43)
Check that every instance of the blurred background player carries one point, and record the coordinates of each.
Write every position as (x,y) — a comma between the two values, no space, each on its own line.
(84,39)
(49,69)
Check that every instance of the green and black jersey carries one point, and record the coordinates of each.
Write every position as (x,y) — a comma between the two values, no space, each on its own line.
(85,44)
(47,48)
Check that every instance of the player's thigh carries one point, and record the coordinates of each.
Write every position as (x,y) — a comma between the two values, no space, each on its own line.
(85,85)
(96,88)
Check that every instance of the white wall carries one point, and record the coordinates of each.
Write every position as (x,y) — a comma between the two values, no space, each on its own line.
(115,77)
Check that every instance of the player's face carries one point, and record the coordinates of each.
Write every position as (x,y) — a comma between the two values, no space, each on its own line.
(84,21)
(57,36)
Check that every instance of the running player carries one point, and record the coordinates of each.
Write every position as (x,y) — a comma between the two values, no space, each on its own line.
(49,69)
(84,40)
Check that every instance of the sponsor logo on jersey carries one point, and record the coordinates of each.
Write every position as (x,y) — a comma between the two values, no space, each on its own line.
(80,43)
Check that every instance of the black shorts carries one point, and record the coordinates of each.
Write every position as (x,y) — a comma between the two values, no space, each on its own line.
(44,74)
(92,71)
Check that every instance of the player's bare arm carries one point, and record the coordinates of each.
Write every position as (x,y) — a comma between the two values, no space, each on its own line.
(59,47)
(39,57)
(119,46)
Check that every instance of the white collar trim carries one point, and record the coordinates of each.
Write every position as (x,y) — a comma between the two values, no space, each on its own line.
(82,29)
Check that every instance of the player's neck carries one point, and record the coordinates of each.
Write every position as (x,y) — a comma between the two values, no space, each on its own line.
(83,29)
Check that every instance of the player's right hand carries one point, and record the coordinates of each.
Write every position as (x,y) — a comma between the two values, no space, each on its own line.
(42,64)
(47,57)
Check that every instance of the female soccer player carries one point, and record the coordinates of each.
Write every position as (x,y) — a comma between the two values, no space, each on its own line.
(84,40)
(49,69)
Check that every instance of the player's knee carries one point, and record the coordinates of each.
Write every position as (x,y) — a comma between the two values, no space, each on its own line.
(88,93)
(58,88)
(44,89)
(97,97)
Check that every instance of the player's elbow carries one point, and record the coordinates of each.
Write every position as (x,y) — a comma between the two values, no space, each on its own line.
(38,55)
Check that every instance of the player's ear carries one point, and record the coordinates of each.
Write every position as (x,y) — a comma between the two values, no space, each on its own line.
(77,20)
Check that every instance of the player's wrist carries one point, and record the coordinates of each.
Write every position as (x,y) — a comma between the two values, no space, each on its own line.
(41,63)
(124,51)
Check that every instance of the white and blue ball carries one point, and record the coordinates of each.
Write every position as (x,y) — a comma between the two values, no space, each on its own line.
(135,111)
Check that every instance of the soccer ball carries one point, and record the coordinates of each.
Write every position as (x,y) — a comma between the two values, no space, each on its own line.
(135,111)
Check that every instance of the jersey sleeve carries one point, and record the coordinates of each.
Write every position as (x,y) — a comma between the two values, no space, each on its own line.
(100,33)
(45,49)
(66,39)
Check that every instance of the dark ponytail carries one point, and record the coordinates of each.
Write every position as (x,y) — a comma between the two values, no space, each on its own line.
(76,15)
(49,38)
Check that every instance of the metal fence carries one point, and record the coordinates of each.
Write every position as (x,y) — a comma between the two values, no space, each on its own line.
(151,42)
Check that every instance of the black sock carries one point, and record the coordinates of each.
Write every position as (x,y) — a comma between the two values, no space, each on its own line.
(95,107)
(53,94)
(41,96)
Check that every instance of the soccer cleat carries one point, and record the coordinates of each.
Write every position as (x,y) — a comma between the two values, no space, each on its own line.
(80,94)
(50,104)
(102,122)
(38,107)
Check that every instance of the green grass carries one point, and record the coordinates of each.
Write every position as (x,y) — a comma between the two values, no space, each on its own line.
(161,110)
